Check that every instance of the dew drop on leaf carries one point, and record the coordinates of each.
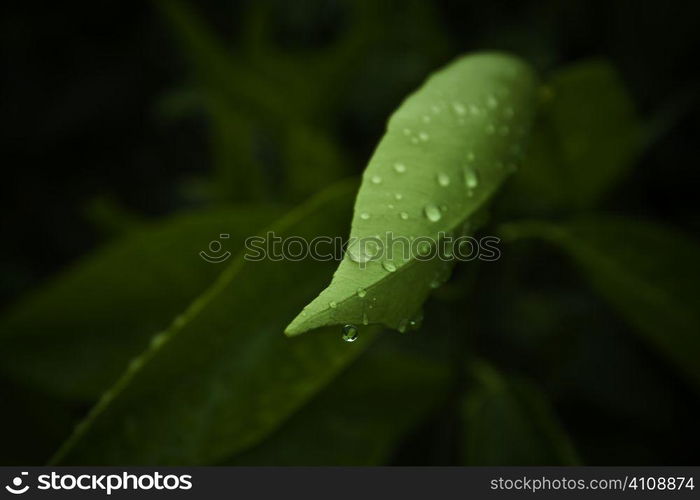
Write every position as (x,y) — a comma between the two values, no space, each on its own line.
(389,266)
(361,292)
(432,212)
(376,179)
(443,179)
(471,178)
(364,216)
(400,168)
(332,304)
(403,215)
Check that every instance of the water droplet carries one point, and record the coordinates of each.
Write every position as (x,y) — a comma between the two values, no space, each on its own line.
(403,215)
(364,216)
(361,292)
(365,318)
(471,178)
(407,131)
(332,304)
(443,179)
(389,266)
(426,119)
(459,108)
(414,140)
(474,109)
(350,333)
(402,325)
(492,102)
(423,136)
(423,248)
(390,206)
(435,109)
(400,168)
(432,212)
(376,179)
(362,251)
(398,196)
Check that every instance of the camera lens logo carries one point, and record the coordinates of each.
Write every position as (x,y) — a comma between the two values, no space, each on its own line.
(215,248)
(16,487)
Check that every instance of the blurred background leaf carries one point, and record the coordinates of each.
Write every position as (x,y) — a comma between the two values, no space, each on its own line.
(75,336)
(585,140)
(649,273)
(509,422)
(227,376)
(364,413)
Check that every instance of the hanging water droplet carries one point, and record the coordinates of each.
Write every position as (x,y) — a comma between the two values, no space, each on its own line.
(376,179)
(398,196)
(332,304)
(361,292)
(402,325)
(350,333)
(432,212)
(443,179)
(400,168)
(365,318)
(389,266)
(403,215)
(364,216)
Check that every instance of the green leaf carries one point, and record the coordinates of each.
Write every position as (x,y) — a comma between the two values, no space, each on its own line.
(445,152)
(353,422)
(220,379)
(74,336)
(586,136)
(648,273)
(508,421)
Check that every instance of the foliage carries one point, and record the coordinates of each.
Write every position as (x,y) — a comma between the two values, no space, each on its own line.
(144,353)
